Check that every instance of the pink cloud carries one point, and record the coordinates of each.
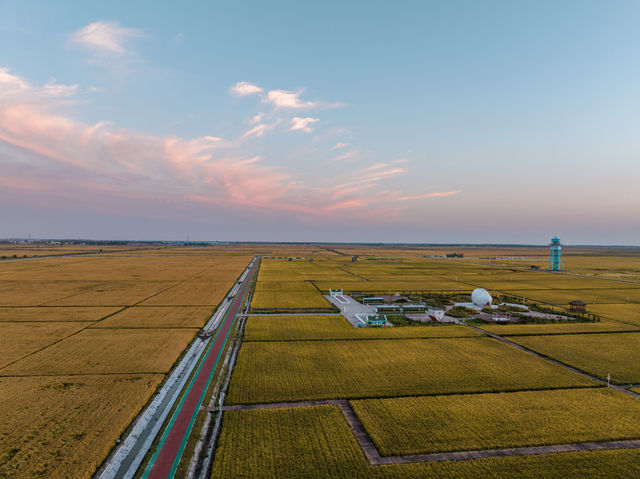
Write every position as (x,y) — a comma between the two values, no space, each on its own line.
(75,158)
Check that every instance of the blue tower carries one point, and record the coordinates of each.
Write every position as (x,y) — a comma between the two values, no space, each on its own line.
(555,256)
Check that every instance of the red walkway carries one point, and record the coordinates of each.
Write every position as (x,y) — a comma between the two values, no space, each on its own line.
(165,460)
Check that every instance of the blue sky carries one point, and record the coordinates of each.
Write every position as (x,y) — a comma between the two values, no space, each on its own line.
(492,121)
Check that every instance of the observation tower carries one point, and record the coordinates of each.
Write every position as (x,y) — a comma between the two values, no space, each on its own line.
(555,255)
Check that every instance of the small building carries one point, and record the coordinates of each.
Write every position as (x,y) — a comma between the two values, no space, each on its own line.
(455,255)
(577,306)
(534,267)
(335,292)
(389,309)
(373,300)
(354,258)
(376,320)
(414,308)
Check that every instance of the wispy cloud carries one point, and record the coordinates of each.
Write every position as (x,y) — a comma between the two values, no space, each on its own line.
(338,145)
(105,37)
(244,88)
(302,124)
(57,89)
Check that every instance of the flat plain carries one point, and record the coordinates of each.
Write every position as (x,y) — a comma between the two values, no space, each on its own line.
(422,389)
(80,354)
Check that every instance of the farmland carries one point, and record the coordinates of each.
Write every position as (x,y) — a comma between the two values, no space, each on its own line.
(599,354)
(300,370)
(295,328)
(433,388)
(86,341)
(316,442)
(416,425)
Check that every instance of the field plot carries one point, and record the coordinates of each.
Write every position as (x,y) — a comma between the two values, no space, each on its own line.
(159,317)
(64,426)
(617,354)
(19,339)
(563,296)
(317,443)
(36,292)
(107,351)
(628,312)
(299,370)
(559,328)
(112,293)
(44,313)
(288,300)
(192,293)
(292,328)
(414,425)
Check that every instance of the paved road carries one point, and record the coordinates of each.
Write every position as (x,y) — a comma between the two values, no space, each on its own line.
(165,460)
(352,310)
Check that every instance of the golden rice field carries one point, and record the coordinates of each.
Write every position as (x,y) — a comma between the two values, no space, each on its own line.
(278,300)
(64,426)
(301,370)
(99,351)
(85,342)
(317,443)
(64,314)
(598,354)
(296,328)
(416,425)
(560,328)
(158,317)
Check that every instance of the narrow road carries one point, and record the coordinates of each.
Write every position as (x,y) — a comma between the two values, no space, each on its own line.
(165,460)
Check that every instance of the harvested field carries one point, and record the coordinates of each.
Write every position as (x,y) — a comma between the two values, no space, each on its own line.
(19,339)
(599,354)
(193,293)
(96,351)
(159,317)
(43,313)
(415,425)
(300,370)
(62,426)
(292,328)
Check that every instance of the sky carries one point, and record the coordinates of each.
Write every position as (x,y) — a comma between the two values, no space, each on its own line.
(362,121)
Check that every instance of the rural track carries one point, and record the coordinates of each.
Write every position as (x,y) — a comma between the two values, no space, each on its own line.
(167,455)
(375,459)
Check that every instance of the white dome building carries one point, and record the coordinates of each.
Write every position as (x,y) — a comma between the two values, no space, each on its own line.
(481,298)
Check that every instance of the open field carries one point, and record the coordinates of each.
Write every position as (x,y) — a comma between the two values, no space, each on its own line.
(559,328)
(288,300)
(598,354)
(79,358)
(98,351)
(159,317)
(317,443)
(42,313)
(64,426)
(19,339)
(300,370)
(295,328)
(415,425)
